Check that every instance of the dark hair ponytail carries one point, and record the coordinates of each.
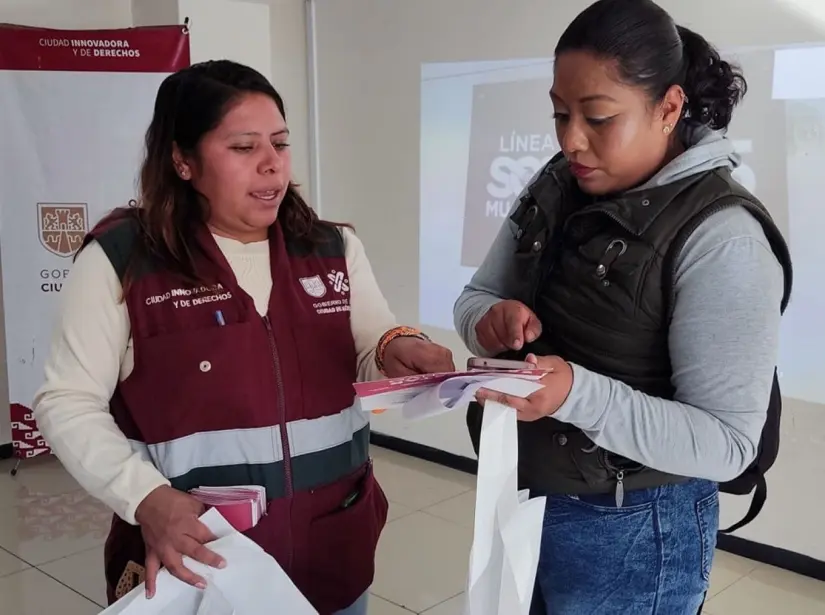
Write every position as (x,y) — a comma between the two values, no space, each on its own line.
(653,53)
(713,86)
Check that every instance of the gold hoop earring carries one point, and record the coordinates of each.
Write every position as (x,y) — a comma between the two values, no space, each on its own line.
(667,129)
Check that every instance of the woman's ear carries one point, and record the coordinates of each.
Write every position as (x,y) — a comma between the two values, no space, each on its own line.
(182,167)
(671,107)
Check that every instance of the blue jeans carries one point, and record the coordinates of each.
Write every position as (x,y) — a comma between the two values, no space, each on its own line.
(359,607)
(651,557)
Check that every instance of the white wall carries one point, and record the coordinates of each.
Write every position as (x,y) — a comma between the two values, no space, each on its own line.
(236,31)
(219,29)
(67,14)
(290,78)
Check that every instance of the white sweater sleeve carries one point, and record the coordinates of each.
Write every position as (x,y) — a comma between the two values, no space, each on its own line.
(370,313)
(81,372)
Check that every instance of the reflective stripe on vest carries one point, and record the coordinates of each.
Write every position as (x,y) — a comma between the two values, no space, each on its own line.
(322,451)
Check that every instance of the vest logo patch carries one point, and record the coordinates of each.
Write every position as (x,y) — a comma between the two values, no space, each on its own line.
(314,286)
(338,281)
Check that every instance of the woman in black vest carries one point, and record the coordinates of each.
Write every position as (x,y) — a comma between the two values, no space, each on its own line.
(649,281)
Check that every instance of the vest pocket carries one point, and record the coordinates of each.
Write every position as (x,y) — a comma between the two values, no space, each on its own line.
(343,545)
(124,556)
(210,379)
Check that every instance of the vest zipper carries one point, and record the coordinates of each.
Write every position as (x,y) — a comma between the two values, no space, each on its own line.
(279,381)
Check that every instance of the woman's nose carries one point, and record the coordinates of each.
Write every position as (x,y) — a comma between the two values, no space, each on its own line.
(271,162)
(573,140)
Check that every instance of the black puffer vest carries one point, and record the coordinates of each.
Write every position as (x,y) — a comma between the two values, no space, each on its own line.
(598,274)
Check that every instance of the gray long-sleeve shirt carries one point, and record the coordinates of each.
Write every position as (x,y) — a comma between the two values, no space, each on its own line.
(724,342)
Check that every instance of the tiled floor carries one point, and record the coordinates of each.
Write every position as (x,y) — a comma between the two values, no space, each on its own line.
(52,534)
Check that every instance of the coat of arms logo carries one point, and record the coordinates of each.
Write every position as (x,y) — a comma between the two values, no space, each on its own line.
(62,227)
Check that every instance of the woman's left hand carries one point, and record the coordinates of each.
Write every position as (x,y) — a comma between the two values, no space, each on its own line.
(544,402)
(407,356)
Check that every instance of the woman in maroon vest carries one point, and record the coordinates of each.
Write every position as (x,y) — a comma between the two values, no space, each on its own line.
(210,336)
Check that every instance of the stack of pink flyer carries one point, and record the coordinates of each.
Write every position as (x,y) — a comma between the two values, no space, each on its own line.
(426,395)
(242,506)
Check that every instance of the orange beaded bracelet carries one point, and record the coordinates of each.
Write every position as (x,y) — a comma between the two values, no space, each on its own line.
(389,336)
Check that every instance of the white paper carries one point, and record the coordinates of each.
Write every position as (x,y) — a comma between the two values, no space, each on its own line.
(507,535)
(460,391)
(214,602)
(252,583)
(395,393)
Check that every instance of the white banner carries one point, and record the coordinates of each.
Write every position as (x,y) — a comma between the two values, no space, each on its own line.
(75,108)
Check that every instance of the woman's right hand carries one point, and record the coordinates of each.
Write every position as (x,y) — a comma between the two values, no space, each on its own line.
(168,519)
(508,325)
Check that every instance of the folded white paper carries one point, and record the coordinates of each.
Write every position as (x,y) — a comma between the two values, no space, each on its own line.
(508,525)
(460,391)
(252,583)
(505,552)
(444,392)
(214,602)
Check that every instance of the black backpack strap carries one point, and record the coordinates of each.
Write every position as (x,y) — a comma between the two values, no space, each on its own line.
(754,477)
(760,496)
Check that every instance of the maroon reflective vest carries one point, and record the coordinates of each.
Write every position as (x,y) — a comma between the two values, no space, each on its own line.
(222,396)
